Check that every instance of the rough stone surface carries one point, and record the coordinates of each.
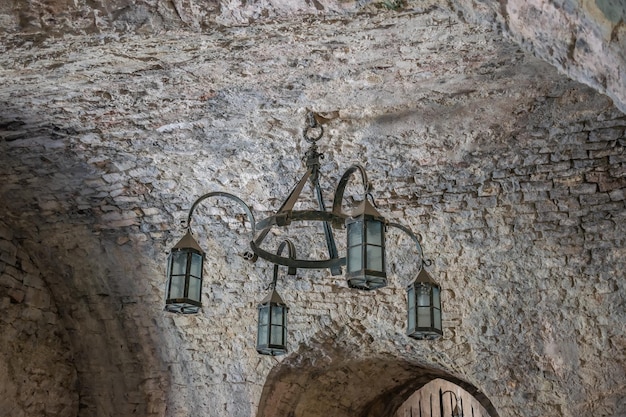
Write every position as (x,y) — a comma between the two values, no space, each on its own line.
(585,39)
(36,357)
(513,174)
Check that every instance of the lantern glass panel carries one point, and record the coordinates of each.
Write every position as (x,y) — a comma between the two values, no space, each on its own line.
(264,315)
(177,286)
(374,232)
(195,287)
(263,332)
(195,269)
(436,299)
(423,316)
(423,295)
(375,258)
(277,321)
(179,262)
(277,334)
(355,258)
(355,233)
(277,315)
(437,318)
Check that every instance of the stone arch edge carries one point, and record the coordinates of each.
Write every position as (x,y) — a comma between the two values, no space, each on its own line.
(385,383)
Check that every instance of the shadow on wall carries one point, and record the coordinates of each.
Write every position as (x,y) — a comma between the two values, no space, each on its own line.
(37,369)
(65,287)
(320,382)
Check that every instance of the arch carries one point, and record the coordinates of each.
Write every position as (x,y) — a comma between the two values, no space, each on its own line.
(74,319)
(317,382)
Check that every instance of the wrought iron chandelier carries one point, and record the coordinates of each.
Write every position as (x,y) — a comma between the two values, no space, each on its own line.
(365,258)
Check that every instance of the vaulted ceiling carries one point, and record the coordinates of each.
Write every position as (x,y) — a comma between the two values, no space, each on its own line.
(493,129)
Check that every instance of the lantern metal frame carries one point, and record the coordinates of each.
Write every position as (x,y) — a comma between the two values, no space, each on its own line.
(272,308)
(336,217)
(182,301)
(416,328)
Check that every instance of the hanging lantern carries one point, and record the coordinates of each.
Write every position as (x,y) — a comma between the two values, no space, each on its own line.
(366,249)
(424,308)
(184,276)
(272,326)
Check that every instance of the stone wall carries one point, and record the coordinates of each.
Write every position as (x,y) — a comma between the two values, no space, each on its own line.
(512,173)
(74,340)
(36,357)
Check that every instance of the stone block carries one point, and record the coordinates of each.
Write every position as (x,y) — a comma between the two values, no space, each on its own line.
(551,217)
(594,199)
(26,264)
(560,156)
(532,196)
(114,178)
(568,180)
(150,211)
(5,232)
(545,206)
(13,272)
(567,204)
(605,181)
(583,189)
(618,158)
(8,281)
(16,295)
(617,195)
(536,186)
(603,153)
(608,134)
(536,159)
(554,167)
(37,298)
(488,188)
(34,281)
(585,164)
(499,174)
(602,226)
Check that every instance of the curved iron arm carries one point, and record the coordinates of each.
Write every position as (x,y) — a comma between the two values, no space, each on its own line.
(301,215)
(341,187)
(227,195)
(292,255)
(297,263)
(413,236)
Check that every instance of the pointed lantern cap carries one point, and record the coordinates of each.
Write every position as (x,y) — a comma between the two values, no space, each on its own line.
(188,242)
(368,209)
(424,277)
(272,298)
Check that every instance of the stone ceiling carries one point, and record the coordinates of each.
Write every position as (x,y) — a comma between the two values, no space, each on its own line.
(583,38)
(114,117)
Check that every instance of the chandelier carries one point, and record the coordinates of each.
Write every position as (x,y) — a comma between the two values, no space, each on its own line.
(365,258)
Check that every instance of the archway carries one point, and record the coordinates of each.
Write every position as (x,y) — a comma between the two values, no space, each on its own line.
(317,382)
